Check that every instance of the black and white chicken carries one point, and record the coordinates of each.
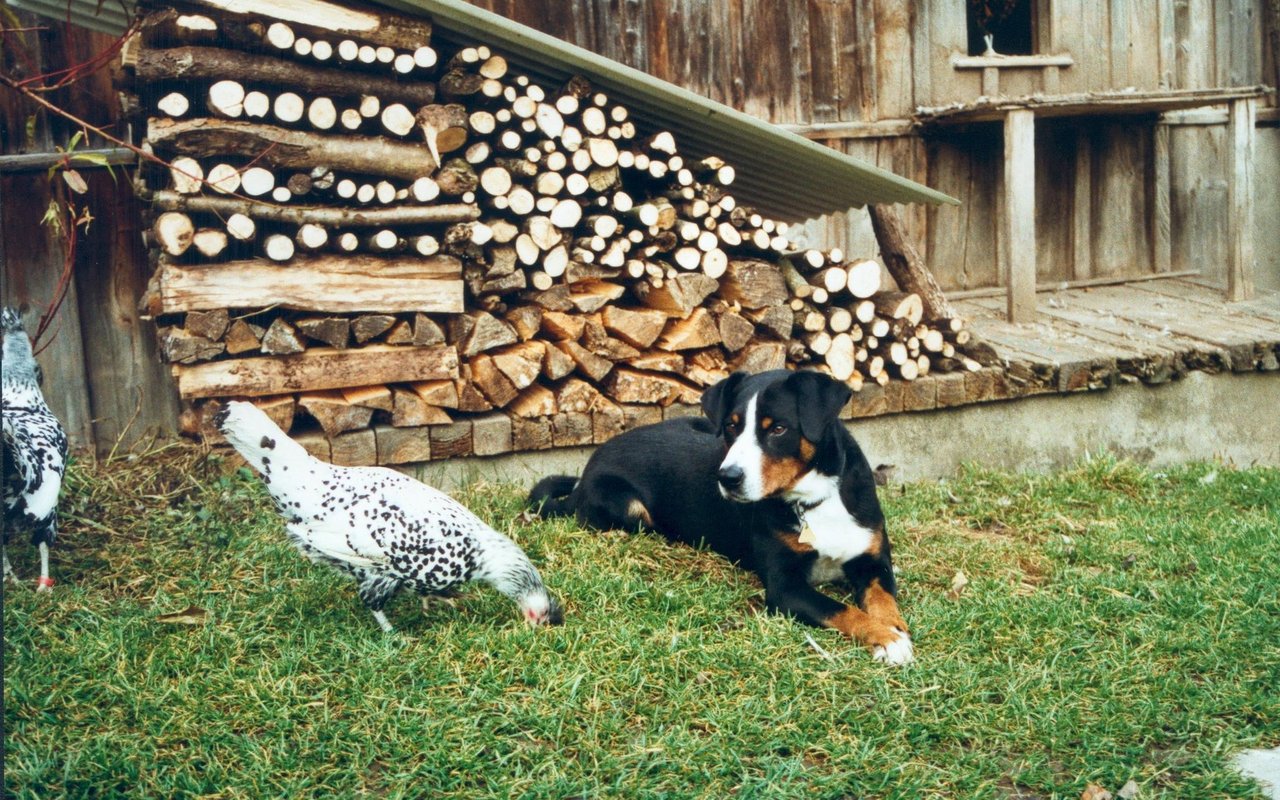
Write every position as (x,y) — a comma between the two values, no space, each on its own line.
(35,449)
(382,528)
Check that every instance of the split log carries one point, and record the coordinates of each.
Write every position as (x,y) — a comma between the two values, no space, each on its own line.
(777,321)
(900,305)
(242,337)
(334,412)
(577,396)
(521,362)
(333,331)
(695,331)
(590,296)
(556,364)
(281,339)
(183,347)
(445,127)
(318,215)
(321,283)
(492,383)
(588,363)
(317,368)
(626,385)
(560,326)
(478,331)
(409,410)
(735,331)
(209,324)
(760,357)
(213,63)
(280,147)
(442,394)
(534,402)
(638,327)
(678,296)
(370,326)
(378,398)
(753,284)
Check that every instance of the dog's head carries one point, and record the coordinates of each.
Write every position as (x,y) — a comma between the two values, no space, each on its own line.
(774,425)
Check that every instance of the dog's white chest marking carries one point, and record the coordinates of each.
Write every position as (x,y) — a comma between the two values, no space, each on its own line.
(828,526)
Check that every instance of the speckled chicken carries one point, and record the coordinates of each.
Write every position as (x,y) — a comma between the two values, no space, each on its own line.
(35,449)
(384,529)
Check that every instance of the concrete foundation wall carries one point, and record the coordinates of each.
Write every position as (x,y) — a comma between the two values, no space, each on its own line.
(1234,418)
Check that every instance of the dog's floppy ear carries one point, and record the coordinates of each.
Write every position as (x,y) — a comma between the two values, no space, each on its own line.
(717,400)
(819,399)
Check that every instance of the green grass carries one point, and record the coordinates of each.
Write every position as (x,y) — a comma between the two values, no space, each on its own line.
(1119,624)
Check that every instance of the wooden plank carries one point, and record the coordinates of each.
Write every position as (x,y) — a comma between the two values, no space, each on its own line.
(1208,302)
(1018,240)
(1113,103)
(318,368)
(332,284)
(893,76)
(776,68)
(32,258)
(1121,242)
(1241,133)
(378,28)
(1178,316)
(826,57)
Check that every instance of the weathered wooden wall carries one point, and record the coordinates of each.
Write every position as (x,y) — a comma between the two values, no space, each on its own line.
(825,62)
(103,377)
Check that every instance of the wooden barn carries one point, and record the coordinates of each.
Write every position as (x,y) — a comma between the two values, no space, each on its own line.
(434,229)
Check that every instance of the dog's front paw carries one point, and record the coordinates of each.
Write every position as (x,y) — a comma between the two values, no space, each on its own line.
(897,653)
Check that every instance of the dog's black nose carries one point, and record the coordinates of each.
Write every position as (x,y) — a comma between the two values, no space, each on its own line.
(731,478)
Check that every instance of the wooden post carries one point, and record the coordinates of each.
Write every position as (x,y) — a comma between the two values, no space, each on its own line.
(1082,212)
(1161,223)
(1240,129)
(1018,231)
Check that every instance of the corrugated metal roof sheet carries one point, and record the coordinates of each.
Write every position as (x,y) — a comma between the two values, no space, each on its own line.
(779,172)
(112,16)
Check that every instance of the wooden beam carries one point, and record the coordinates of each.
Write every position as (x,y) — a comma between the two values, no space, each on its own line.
(318,368)
(345,216)
(332,284)
(377,28)
(1018,228)
(1240,131)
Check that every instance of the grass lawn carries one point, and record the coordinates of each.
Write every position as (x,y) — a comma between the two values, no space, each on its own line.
(1119,623)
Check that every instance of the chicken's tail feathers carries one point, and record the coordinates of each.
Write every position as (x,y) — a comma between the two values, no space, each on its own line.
(553,496)
(254,435)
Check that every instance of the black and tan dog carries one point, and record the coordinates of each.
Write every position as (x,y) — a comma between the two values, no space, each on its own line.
(771,480)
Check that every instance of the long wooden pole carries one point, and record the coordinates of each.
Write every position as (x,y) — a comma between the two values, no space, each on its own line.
(1018,229)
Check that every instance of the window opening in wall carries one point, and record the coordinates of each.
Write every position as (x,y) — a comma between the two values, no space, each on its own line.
(1009,23)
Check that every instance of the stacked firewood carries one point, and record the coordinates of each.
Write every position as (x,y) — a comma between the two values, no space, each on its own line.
(353,222)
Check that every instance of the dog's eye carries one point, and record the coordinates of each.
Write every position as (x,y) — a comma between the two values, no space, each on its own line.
(777,430)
